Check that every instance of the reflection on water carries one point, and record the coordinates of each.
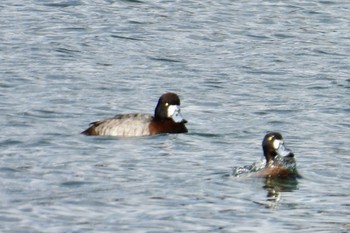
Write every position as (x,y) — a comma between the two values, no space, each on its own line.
(275,186)
(280,184)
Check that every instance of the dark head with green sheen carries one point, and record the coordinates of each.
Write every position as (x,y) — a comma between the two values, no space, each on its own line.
(168,107)
(273,145)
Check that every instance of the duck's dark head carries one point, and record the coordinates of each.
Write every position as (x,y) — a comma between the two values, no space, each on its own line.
(168,107)
(273,145)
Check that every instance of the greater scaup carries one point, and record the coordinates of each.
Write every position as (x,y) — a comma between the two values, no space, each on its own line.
(280,161)
(167,119)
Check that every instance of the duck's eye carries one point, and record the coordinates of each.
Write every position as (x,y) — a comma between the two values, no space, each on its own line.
(166,104)
(270,138)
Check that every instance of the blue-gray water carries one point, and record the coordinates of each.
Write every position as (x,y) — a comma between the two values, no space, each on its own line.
(241,68)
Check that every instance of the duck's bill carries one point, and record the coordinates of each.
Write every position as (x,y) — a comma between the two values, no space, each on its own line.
(175,114)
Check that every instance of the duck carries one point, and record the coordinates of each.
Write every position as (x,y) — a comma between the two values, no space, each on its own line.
(167,119)
(280,161)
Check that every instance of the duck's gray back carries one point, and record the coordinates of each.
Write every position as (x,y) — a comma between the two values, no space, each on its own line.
(127,125)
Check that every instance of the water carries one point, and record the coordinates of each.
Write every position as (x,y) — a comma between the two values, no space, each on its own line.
(241,69)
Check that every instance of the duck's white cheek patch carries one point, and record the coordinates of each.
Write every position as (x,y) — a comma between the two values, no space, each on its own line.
(172,109)
(277,143)
(174,113)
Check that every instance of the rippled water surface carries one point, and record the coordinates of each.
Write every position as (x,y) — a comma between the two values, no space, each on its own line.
(241,68)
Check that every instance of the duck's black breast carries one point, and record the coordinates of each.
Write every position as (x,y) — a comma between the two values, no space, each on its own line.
(166,126)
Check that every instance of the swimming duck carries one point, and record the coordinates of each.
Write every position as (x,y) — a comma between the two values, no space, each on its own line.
(280,161)
(167,119)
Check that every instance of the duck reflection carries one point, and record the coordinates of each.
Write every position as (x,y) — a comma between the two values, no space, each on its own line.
(277,185)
